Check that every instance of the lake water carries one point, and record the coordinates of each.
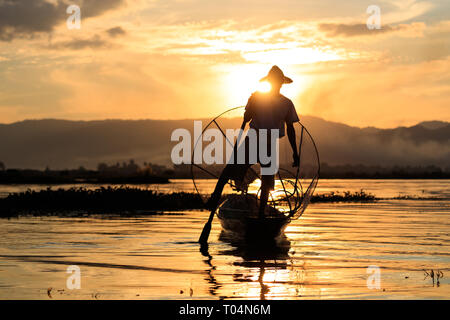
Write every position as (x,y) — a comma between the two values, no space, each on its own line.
(324,254)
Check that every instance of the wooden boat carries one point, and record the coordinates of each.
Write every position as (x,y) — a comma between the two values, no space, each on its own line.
(239,215)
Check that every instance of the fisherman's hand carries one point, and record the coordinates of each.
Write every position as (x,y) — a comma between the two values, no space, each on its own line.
(296,158)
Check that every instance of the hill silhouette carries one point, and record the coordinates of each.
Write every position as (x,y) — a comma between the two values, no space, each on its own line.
(61,144)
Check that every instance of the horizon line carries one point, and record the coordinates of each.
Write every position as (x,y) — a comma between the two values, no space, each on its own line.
(209,118)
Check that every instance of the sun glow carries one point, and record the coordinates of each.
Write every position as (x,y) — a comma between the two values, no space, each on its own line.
(240,81)
(264,86)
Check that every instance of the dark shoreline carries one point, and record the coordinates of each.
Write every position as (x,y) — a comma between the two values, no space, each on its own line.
(55,177)
(99,181)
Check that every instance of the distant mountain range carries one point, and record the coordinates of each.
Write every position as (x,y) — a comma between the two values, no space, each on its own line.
(62,144)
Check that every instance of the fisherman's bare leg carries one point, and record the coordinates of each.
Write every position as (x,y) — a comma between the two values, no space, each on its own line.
(263,199)
(267,184)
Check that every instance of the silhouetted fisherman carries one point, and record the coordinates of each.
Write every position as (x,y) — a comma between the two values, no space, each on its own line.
(269,110)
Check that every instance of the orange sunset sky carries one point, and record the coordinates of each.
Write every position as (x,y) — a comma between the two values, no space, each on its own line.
(173,59)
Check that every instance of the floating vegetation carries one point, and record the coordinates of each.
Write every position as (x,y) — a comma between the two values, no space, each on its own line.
(347,196)
(123,201)
(432,274)
(80,201)
(415,197)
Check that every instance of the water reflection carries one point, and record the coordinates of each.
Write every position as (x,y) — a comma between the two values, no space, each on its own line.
(214,285)
(259,262)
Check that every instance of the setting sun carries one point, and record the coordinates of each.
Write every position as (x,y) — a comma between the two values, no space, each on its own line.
(240,81)
(264,86)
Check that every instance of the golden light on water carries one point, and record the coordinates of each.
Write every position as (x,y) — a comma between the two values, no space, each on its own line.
(324,254)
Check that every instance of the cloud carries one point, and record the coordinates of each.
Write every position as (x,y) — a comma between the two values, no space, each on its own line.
(380,94)
(359,29)
(116,31)
(93,42)
(404,10)
(25,18)
(288,42)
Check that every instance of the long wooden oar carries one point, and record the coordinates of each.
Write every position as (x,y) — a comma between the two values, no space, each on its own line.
(207,228)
